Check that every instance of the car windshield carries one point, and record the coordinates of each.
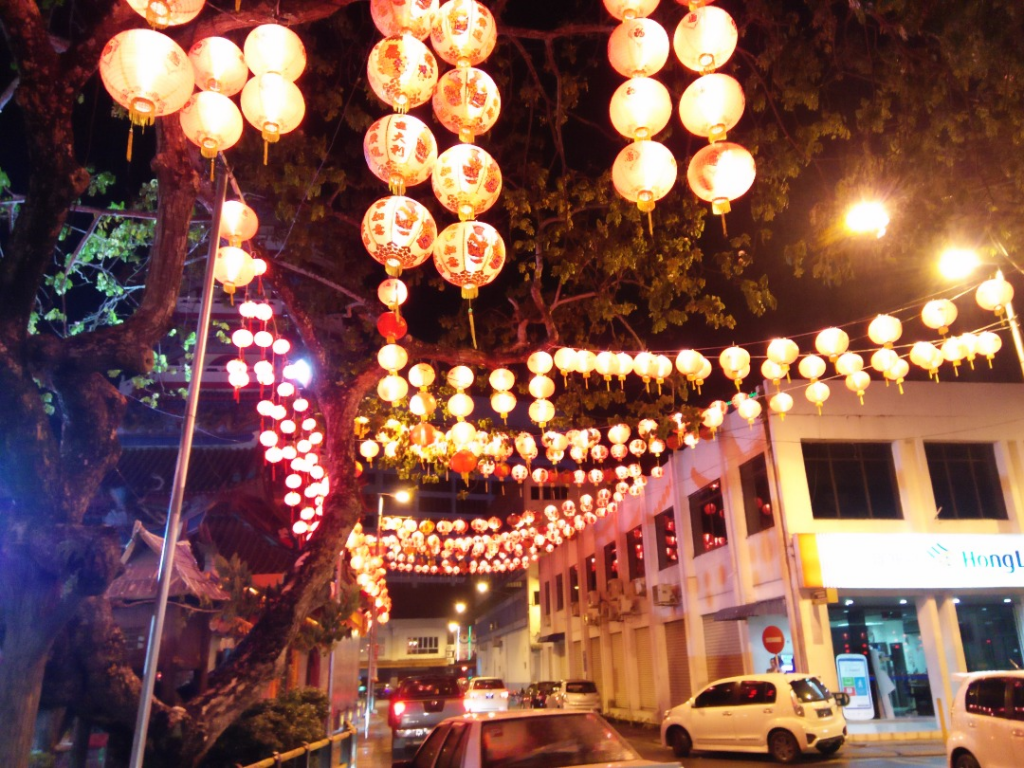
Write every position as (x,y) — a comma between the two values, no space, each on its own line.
(581,686)
(809,689)
(430,688)
(552,742)
(488,683)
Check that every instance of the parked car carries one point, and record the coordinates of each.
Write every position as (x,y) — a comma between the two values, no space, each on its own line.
(527,738)
(784,715)
(418,705)
(486,694)
(576,694)
(986,722)
(537,694)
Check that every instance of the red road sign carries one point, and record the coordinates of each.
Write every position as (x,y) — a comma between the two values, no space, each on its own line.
(773,639)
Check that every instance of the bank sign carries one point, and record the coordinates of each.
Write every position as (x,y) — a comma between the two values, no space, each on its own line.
(910,560)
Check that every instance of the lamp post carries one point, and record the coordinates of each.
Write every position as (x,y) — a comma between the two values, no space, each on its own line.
(454,626)
(402,497)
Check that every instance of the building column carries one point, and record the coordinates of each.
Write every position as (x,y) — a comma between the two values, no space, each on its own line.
(816,641)
(943,650)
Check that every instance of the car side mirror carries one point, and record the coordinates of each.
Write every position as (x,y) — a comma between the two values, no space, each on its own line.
(842,699)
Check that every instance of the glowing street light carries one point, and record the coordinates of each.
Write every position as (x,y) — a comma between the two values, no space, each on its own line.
(460,607)
(482,587)
(958,263)
(867,217)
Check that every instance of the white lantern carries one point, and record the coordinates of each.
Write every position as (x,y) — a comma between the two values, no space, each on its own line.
(705,39)
(832,342)
(402,72)
(720,173)
(638,48)
(399,233)
(711,105)
(994,295)
(394,17)
(812,367)
(218,65)
(466,180)
(885,330)
(640,108)
(630,9)
(467,102)
(276,49)
(400,150)
(464,33)
(939,314)
(644,172)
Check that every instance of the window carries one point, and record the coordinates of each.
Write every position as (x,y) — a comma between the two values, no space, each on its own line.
(851,481)
(965,481)
(757,497)
(611,561)
(665,534)
(720,695)
(756,692)
(574,584)
(421,645)
(559,593)
(547,598)
(707,518)
(592,573)
(635,552)
(549,492)
(987,697)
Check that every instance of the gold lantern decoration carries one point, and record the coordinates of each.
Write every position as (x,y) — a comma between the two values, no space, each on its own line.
(218,65)
(212,122)
(399,233)
(711,105)
(467,102)
(638,48)
(275,49)
(167,13)
(402,72)
(466,180)
(644,172)
(394,17)
(720,173)
(640,108)
(400,150)
(705,39)
(464,33)
(274,106)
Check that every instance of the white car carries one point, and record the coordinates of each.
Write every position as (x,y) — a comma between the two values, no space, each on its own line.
(486,694)
(784,715)
(527,738)
(575,694)
(986,721)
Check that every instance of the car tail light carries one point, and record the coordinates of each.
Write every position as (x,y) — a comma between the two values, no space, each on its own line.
(798,708)
(395,713)
(398,708)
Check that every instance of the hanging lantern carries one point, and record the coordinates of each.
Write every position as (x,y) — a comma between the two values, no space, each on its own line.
(274,106)
(832,342)
(232,268)
(643,173)
(638,48)
(467,102)
(392,388)
(773,372)
(735,362)
(640,108)
(413,17)
(422,404)
(466,180)
(817,392)
(988,344)
(276,49)
(994,295)
(400,151)
(749,409)
(812,367)
(212,122)
(849,362)
(460,378)
(464,33)
(781,403)
(238,222)
(503,402)
(630,9)
(705,39)
(399,233)
(147,73)
(939,314)
(218,65)
(720,173)
(900,368)
(541,412)
(927,356)
(883,359)
(540,362)
(858,382)
(954,350)
(392,358)
(460,405)
(392,293)
(541,387)
(469,254)
(885,330)
(402,72)
(161,14)
(421,375)
(711,105)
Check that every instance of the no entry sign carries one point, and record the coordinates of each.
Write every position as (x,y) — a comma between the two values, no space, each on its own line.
(773,639)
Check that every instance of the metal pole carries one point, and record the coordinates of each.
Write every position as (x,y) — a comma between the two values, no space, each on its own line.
(1011,318)
(371,656)
(166,570)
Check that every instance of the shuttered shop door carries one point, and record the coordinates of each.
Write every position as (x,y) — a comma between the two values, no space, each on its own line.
(594,662)
(645,668)
(619,695)
(576,662)
(679,686)
(722,648)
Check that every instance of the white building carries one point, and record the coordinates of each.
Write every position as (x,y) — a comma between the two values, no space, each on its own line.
(890,532)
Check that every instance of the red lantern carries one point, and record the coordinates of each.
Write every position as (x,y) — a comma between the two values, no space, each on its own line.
(392,327)
(423,435)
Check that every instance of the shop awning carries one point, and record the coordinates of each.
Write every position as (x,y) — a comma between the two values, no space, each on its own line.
(554,637)
(777,605)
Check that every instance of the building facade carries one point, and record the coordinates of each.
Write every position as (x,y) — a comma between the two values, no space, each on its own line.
(879,546)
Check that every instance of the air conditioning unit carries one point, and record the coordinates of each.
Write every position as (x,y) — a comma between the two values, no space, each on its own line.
(639,587)
(628,605)
(592,616)
(666,594)
(574,609)
(593,599)
(610,612)
(614,587)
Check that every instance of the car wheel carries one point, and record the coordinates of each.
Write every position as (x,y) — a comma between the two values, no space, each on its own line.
(783,747)
(680,741)
(965,760)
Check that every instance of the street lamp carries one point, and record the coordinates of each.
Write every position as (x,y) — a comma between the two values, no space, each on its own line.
(867,217)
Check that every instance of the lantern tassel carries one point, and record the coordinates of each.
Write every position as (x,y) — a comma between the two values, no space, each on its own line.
(472,325)
(725,232)
(212,159)
(266,144)
(131,136)
(650,223)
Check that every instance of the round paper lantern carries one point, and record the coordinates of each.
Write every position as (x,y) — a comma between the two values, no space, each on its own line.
(849,362)
(466,180)
(817,392)
(273,105)
(391,388)
(749,409)
(638,48)
(857,382)
(218,65)
(467,102)
(705,39)
(812,367)
(400,150)
(276,49)
(781,403)
(238,222)
(399,233)
(885,330)
(469,254)
(630,9)
(643,173)
(395,17)
(994,295)
(542,387)
(541,412)
(988,344)
(461,377)
(232,268)
(422,375)
(167,13)
(392,358)
(503,403)
(884,359)
(392,292)
(464,33)
(832,342)
(711,105)
(502,379)
(147,73)
(402,72)
(939,314)
(898,372)
(720,173)
(927,356)
(640,108)
(392,327)
(212,122)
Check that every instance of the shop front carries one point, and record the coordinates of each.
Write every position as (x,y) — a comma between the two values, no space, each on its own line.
(907,612)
